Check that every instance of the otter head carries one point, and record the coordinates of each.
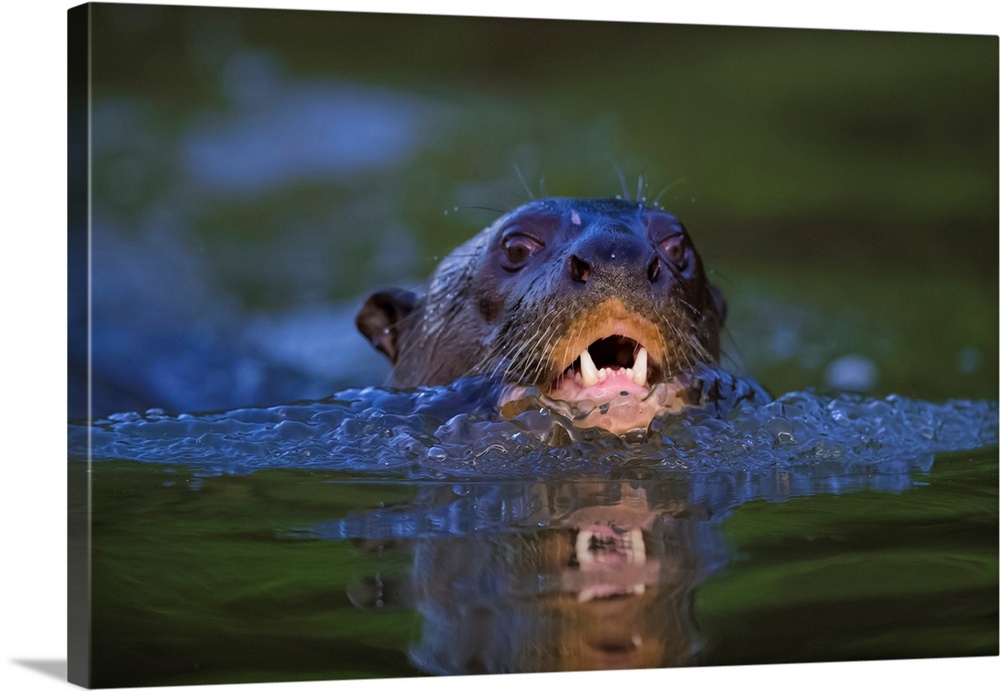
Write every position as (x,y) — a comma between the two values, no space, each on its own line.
(596,308)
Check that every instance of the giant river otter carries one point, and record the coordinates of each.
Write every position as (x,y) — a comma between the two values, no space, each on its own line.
(597,308)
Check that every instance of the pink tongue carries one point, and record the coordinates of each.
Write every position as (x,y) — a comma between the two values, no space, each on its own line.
(613,385)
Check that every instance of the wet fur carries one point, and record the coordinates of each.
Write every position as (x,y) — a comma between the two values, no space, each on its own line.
(459,327)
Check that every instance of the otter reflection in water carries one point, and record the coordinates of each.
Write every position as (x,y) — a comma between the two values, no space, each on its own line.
(606,583)
(599,309)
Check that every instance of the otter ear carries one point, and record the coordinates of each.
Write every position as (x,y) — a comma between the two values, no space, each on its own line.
(720,303)
(379,318)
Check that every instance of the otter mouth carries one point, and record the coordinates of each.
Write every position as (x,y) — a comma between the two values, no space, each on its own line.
(615,365)
(611,373)
(611,563)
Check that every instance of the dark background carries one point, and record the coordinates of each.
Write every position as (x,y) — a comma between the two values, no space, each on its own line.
(257,172)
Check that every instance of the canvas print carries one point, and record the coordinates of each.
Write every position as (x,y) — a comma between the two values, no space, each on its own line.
(408,345)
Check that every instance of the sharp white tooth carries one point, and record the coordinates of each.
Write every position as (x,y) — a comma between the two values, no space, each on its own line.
(628,372)
(638,553)
(587,368)
(639,368)
(583,553)
(602,373)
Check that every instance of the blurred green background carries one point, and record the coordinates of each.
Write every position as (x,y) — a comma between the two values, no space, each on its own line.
(257,172)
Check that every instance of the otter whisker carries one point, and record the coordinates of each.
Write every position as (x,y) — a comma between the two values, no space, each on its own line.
(656,202)
(499,353)
(524,183)
(551,286)
(621,180)
(519,348)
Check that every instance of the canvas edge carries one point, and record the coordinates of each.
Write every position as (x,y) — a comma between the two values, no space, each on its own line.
(78,303)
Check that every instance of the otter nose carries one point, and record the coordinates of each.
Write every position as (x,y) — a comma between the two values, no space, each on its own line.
(614,257)
(579,269)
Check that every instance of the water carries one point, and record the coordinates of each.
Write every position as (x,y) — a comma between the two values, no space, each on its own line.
(258,514)
(382,533)
(455,432)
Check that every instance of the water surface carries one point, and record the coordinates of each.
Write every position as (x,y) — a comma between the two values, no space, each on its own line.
(382,533)
(257,513)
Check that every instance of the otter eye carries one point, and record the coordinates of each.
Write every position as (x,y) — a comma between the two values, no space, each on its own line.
(675,250)
(518,248)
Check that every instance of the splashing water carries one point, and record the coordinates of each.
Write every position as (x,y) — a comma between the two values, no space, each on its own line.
(454,433)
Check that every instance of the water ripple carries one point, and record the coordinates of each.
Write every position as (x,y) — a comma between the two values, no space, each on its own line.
(801,440)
